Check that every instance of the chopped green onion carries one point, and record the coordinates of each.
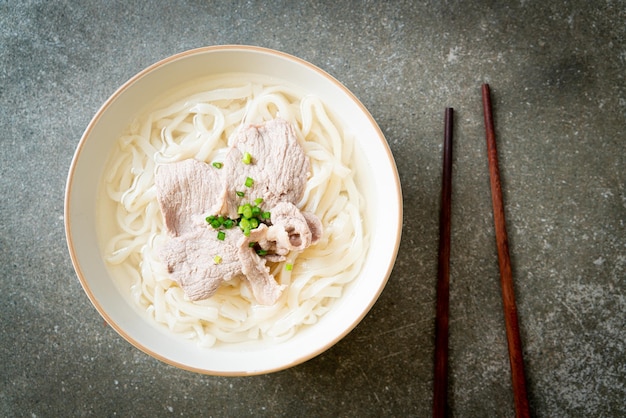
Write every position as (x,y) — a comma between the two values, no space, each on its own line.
(251,244)
(247,211)
(218,165)
(217,259)
(244,224)
(249,182)
(250,216)
(289,267)
(254,223)
(262,252)
(247,158)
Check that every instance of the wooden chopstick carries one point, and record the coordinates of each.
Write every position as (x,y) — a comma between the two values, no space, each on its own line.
(506,275)
(440,390)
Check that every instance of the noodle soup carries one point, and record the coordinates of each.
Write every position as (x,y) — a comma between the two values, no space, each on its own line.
(197,121)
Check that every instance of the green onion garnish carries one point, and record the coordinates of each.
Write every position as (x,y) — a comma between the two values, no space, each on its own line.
(262,252)
(289,267)
(217,259)
(250,216)
(247,211)
(244,224)
(249,182)
(247,158)
(218,165)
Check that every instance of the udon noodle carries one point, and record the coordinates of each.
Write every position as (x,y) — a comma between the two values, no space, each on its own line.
(199,126)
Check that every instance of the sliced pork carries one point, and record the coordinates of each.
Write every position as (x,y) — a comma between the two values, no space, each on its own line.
(199,262)
(290,229)
(278,167)
(196,257)
(263,285)
(186,190)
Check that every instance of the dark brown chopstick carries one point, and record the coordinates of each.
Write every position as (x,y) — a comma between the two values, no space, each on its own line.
(506,275)
(440,390)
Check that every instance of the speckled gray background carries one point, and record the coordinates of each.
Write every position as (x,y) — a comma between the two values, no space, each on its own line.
(557,71)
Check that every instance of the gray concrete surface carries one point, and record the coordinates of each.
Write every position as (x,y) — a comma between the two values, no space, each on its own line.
(556,69)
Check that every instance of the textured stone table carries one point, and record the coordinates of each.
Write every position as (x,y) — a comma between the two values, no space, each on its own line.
(556,70)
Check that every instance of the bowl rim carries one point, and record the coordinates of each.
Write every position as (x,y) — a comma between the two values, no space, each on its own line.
(111,100)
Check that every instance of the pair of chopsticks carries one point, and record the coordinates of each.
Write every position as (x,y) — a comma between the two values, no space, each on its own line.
(440,389)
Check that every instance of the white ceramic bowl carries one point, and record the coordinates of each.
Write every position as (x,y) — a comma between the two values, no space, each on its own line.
(383,196)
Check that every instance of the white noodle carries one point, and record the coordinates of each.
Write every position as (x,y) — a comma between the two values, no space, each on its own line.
(200,126)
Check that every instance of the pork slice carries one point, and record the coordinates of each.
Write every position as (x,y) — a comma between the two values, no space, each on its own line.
(263,285)
(186,191)
(189,190)
(190,260)
(291,229)
(279,167)
(315,226)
